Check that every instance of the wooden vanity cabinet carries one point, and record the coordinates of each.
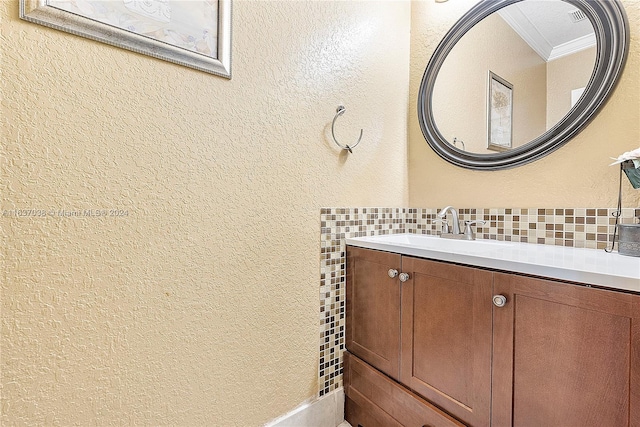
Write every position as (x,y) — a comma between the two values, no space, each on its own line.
(555,354)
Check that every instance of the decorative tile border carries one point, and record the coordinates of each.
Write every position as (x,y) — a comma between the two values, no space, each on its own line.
(336,224)
(574,227)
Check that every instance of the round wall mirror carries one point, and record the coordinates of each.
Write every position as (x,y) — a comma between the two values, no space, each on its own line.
(513,80)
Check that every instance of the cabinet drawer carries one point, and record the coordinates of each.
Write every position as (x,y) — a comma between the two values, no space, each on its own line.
(373,394)
(365,413)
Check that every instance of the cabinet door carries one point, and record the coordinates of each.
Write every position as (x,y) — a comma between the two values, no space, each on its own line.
(446,337)
(373,308)
(565,355)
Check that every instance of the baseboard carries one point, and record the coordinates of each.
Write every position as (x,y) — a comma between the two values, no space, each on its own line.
(327,411)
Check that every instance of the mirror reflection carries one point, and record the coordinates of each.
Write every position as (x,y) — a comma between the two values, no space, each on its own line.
(513,76)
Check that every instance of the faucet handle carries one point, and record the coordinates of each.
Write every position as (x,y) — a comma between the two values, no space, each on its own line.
(468,231)
(445,225)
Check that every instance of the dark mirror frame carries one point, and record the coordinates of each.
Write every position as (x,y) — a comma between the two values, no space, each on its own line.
(612,41)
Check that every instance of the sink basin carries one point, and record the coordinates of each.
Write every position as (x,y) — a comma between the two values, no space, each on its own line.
(436,243)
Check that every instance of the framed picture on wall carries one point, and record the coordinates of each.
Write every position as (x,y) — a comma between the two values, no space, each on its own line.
(195,33)
(499,113)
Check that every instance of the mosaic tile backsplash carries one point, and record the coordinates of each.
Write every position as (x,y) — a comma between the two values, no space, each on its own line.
(575,227)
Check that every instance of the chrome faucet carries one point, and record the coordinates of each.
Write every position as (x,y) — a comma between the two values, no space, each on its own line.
(453,232)
(455,227)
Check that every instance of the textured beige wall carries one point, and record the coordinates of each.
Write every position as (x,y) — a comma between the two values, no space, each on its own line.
(201,306)
(564,75)
(575,175)
(460,92)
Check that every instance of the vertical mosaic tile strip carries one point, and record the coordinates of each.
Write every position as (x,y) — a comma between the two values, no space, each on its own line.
(337,224)
(574,227)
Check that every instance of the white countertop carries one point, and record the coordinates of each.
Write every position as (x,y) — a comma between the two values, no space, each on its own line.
(591,266)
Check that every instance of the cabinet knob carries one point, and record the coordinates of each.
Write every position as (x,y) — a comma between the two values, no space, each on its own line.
(392,272)
(499,300)
(404,277)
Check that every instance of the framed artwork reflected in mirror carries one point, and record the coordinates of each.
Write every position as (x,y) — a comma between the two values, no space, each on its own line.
(499,113)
